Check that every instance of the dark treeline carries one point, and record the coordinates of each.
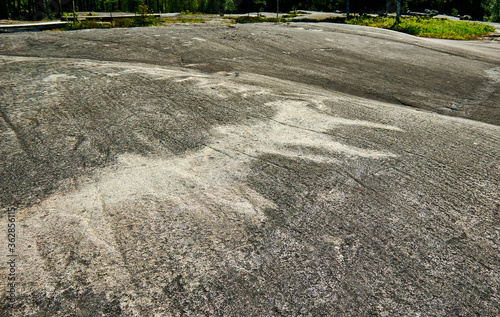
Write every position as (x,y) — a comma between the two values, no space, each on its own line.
(40,9)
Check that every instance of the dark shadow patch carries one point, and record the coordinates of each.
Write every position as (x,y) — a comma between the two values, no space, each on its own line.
(71,127)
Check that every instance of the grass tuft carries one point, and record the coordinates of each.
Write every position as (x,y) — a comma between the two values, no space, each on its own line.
(183,20)
(87,24)
(443,28)
(252,19)
(424,27)
(117,22)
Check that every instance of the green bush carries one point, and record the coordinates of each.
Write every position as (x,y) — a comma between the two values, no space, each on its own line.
(145,20)
(187,12)
(87,24)
(443,29)
(423,26)
(183,20)
(123,23)
(247,19)
(93,24)
(117,22)
(492,8)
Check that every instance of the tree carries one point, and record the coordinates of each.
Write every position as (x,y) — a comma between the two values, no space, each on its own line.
(492,9)
(110,4)
(231,6)
(261,4)
(219,6)
(4,10)
(478,9)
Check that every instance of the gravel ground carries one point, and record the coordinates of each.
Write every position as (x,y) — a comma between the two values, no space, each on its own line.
(250,170)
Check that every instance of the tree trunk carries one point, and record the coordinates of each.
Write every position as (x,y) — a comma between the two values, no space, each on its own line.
(3,9)
(277,11)
(221,7)
(111,14)
(398,10)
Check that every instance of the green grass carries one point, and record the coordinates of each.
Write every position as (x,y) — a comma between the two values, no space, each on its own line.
(424,27)
(187,12)
(290,15)
(443,28)
(183,20)
(87,24)
(128,22)
(144,20)
(252,19)
(117,23)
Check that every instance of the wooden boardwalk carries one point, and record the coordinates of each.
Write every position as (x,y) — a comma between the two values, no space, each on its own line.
(26,27)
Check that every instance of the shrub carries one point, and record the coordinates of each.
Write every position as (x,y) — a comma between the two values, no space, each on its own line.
(247,19)
(444,29)
(123,23)
(87,24)
(148,20)
(423,26)
(492,8)
(183,20)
